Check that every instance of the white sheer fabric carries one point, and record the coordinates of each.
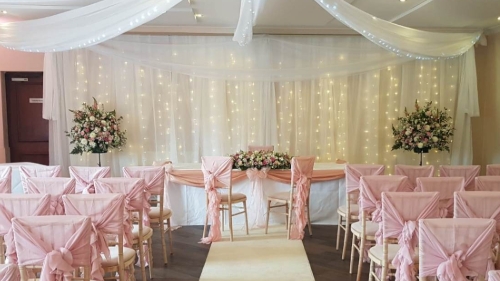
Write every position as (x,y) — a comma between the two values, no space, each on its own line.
(249,10)
(187,96)
(81,27)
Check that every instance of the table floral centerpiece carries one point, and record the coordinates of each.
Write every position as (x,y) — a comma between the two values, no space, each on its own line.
(426,128)
(261,159)
(95,130)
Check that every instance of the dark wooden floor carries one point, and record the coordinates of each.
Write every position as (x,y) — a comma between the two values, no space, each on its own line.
(189,256)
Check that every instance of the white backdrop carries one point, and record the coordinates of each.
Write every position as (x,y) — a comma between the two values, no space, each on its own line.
(187,96)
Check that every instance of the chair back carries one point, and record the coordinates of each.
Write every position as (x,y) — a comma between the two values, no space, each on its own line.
(56,187)
(57,243)
(469,173)
(414,172)
(302,170)
(493,170)
(106,212)
(5,179)
(478,204)
(261,147)
(38,171)
(452,249)
(19,205)
(354,172)
(494,275)
(487,183)
(85,176)
(401,212)
(446,187)
(9,272)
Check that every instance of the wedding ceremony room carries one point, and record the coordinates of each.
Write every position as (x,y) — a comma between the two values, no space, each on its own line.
(250,140)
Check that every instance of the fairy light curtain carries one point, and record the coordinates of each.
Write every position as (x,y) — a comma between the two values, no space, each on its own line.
(183,97)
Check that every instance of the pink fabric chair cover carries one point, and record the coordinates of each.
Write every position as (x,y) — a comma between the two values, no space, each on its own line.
(302,169)
(85,176)
(19,205)
(452,249)
(135,198)
(168,166)
(5,179)
(467,172)
(401,212)
(446,188)
(494,275)
(353,173)
(261,147)
(106,212)
(493,170)
(216,172)
(57,243)
(56,187)
(414,172)
(38,171)
(9,272)
(487,183)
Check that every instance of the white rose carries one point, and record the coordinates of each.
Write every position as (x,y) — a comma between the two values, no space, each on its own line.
(437,125)
(408,133)
(84,141)
(103,122)
(104,129)
(427,127)
(92,144)
(435,139)
(92,118)
(420,145)
(418,127)
(92,135)
(415,139)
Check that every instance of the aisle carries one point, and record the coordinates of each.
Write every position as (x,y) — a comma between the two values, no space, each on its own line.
(257,257)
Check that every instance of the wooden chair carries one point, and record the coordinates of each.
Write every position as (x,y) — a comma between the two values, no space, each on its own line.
(38,171)
(487,183)
(414,172)
(85,176)
(446,187)
(56,187)
(469,173)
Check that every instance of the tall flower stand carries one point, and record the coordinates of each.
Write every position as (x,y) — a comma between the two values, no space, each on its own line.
(99,156)
(421,151)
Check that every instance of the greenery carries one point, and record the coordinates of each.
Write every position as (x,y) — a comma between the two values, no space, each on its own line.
(261,159)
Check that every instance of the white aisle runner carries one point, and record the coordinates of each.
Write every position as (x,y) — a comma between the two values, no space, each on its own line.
(257,257)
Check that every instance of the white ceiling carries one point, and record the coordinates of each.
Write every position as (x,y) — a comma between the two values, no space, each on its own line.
(296,16)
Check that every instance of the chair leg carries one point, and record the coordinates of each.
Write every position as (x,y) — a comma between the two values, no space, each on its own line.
(353,247)
(170,241)
(246,216)
(362,242)
(339,226)
(267,215)
(205,226)
(309,221)
(384,272)
(346,237)
(287,215)
(150,252)
(223,221)
(163,243)
(371,272)
(230,217)
(289,212)
(141,257)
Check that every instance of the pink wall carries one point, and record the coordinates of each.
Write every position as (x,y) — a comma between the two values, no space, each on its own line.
(13,61)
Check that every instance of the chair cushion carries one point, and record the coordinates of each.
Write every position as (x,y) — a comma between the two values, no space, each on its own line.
(128,254)
(146,231)
(371,228)
(280,196)
(354,210)
(154,213)
(234,197)
(377,253)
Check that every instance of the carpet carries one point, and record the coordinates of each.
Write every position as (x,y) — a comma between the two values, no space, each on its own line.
(257,257)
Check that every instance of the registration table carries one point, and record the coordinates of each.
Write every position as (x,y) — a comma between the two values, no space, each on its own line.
(186,194)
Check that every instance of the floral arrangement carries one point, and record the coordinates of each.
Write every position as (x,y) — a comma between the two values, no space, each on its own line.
(95,130)
(426,128)
(261,159)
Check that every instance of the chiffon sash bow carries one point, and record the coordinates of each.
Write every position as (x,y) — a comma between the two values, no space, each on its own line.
(299,204)
(452,269)
(257,208)
(213,210)
(84,178)
(404,257)
(58,264)
(9,272)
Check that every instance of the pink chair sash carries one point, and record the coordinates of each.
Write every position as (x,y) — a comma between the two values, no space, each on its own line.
(107,217)
(414,172)
(302,169)
(354,172)
(38,171)
(85,176)
(494,275)
(34,243)
(401,213)
(452,249)
(257,214)
(5,179)
(56,187)
(493,170)
(215,169)
(17,205)
(9,272)
(487,183)
(467,172)
(260,147)
(446,186)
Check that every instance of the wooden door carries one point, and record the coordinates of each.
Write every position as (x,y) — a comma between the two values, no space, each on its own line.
(28,131)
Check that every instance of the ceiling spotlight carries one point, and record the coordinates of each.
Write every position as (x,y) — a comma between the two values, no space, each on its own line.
(198,16)
(4,12)
(498,18)
(402,0)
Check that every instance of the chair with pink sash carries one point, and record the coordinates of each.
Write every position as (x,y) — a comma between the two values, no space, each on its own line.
(353,173)
(56,187)
(85,176)
(469,173)
(38,171)
(261,147)
(365,232)
(136,205)
(106,212)
(217,174)
(494,275)
(154,177)
(5,179)
(414,172)
(18,205)
(487,183)
(493,170)
(60,245)
(401,212)
(446,187)
(454,249)
(9,272)
(481,204)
